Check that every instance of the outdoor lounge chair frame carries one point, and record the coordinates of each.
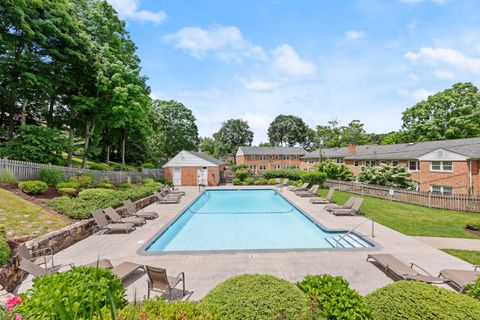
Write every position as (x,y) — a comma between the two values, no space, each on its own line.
(459,279)
(159,281)
(165,200)
(116,218)
(347,205)
(312,192)
(103,223)
(326,200)
(132,211)
(39,260)
(353,211)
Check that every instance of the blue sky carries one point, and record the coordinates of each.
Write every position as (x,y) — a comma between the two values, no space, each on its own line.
(320,60)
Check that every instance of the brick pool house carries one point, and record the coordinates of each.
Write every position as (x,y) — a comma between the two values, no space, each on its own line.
(190,168)
(446,166)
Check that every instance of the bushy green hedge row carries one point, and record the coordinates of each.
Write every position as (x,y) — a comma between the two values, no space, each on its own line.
(292,174)
(313,177)
(473,289)
(5,252)
(91,199)
(331,298)
(418,301)
(33,187)
(248,297)
(79,293)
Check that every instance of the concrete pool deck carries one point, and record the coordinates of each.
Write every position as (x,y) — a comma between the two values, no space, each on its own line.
(204,271)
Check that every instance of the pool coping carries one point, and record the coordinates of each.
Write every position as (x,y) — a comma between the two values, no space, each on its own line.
(143,249)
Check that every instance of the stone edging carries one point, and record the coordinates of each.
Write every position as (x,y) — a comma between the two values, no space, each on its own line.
(11,276)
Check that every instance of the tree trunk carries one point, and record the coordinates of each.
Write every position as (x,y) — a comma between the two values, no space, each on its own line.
(88,133)
(108,154)
(11,123)
(123,147)
(50,111)
(23,117)
(70,152)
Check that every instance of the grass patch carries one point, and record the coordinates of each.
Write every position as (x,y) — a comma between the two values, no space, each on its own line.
(412,220)
(470,256)
(20,217)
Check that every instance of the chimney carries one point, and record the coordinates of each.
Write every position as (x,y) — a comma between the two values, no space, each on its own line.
(352,148)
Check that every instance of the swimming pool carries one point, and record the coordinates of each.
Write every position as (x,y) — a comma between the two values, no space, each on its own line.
(246,219)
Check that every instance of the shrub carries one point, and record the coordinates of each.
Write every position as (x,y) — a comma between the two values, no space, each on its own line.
(249,181)
(84,181)
(292,174)
(238,167)
(414,301)
(272,181)
(156,308)
(51,176)
(256,297)
(396,177)
(104,185)
(69,184)
(70,192)
(91,199)
(5,252)
(473,224)
(126,185)
(147,181)
(148,165)
(241,174)
(331,298)
(313,177)
(167,182)
(335,171)
(80,293)
(260,181)
(236,182)
(33,187)
(473,289)
(7,177)
(37,144)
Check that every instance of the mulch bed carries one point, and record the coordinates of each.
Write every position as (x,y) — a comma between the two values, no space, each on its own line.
(473,231)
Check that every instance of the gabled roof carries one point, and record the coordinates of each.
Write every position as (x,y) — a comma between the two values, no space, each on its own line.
(469,147)
(247,151)
(206,157)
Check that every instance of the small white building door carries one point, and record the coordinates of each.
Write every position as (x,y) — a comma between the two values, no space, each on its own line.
(177,176)
(202,177)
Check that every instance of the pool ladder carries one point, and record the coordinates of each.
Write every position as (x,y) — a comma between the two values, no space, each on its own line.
(350,239)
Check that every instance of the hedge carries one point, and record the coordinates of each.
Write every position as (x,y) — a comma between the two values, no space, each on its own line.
(415,301)
(33,187)
(313,177)
(241,174)
(473,289)
(292,174)
(79,293)
(91,199)
(256,297)
(331,298)
(156,308)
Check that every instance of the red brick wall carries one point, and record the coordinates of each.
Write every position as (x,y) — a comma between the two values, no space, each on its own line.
(189,175)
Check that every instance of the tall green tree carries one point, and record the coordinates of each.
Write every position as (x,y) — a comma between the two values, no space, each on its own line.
(451,114)
(233,134)
(209,146)
(334,135)
(289,130)
(175,125)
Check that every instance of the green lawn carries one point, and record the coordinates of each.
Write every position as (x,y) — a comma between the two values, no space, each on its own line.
(413,220)
(470,256)
(20,217)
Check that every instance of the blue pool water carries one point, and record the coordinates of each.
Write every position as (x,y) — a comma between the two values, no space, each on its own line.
(245,220)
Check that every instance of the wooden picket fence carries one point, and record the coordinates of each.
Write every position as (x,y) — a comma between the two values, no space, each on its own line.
(457,202)
(30,171)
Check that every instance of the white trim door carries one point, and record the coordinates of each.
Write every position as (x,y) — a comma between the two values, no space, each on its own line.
(177,176)
(202,177)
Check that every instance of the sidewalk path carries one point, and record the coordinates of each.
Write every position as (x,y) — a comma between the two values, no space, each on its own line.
(451,243)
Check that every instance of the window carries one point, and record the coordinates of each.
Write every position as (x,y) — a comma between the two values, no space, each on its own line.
(285,167)
(413,165)
(441,190)
(383,162)
(339,160)
(262,157)
(441,166)
(270,157)
(355,163)
(369,163)
(394,163)
(278,167)
(253,168)
(252,157)
(286,157)
(263,168)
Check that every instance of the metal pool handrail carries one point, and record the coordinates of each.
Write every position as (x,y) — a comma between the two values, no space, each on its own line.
(351,231)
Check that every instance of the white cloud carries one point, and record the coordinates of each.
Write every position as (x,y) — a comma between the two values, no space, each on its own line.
(287,61)
(258,121)
(259,85)
(355,35)
(130,9)
(422,94)
(444,74)
(445,56)
(227,42)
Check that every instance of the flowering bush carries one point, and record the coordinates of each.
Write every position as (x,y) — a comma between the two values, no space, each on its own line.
(7,312)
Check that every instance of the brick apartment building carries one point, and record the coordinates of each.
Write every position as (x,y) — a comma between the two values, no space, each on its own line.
(260,159)
(447,166)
